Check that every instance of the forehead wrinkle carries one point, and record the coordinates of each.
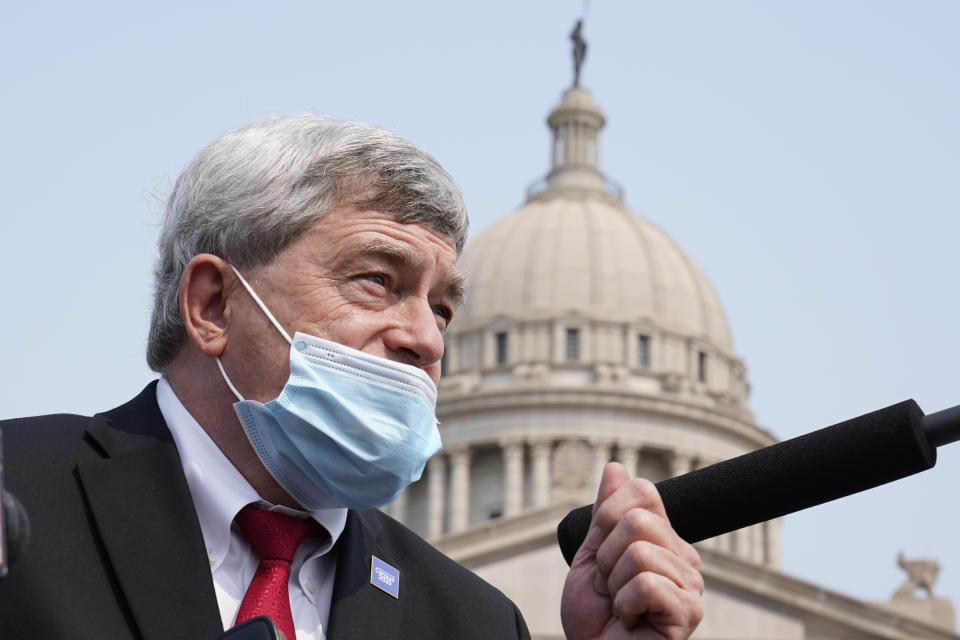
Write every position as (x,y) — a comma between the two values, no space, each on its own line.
(399,256)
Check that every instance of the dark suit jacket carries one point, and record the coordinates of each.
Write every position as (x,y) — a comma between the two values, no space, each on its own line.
(116,550)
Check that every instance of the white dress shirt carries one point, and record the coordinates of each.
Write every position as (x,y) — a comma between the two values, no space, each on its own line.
(219,491)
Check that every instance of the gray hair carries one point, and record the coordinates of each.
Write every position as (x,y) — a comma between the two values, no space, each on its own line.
(251,192)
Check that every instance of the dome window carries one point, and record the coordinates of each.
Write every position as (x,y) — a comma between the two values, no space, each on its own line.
(643,351)
(573,345)
(701,366)
(502,345)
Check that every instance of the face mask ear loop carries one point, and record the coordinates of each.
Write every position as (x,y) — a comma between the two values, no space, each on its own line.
(226,379)
(262,306)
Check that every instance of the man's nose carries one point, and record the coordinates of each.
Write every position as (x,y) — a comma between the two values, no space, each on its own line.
(416,338)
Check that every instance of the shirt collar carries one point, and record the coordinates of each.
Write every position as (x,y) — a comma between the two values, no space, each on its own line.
(219,491)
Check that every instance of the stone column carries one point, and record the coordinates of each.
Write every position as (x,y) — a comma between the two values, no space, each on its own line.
(540,452)
(601,456)
(772,542)
(730,542)
(436,485)
(512,477)
(745,537)
(757,542)
(628,455)
(681,462)
(459,489)
(704,462)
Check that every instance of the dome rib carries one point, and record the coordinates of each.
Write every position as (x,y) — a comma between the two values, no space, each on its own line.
(526,295)
(656,277)
(593,255)
(705,319)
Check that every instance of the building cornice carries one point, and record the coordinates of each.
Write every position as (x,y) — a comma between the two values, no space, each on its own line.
(726,422)
(755,582)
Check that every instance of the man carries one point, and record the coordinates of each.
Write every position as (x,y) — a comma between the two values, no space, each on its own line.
(306,273)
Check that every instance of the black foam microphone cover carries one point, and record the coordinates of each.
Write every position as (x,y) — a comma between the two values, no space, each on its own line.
(16,528)
(808,470)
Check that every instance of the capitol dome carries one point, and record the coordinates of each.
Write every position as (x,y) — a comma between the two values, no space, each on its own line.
(575,280)
(590,256)
(587,335)
(574,247)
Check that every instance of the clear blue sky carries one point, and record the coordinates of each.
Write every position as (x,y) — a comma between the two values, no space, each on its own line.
(805,154)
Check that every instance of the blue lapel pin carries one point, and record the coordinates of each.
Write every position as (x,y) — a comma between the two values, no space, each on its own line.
(385,577)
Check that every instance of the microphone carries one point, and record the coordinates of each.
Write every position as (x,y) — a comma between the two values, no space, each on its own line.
(14,525)
(14,532)
(837,461)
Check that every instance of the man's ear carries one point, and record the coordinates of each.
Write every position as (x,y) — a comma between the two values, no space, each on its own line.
(204,290)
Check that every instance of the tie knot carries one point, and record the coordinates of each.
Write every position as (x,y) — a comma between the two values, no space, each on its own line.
(275,536)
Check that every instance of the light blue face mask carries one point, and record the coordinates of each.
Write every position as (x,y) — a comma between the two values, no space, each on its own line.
(348,430)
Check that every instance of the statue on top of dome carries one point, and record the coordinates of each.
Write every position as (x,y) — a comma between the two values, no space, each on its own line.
(579,51)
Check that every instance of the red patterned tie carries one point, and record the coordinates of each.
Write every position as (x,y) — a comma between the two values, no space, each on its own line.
(274,537)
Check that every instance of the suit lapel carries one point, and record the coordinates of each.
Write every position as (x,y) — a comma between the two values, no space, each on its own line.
(143,512)
(358,609)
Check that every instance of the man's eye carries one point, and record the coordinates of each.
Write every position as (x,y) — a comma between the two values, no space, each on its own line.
(376,278)
(444,312)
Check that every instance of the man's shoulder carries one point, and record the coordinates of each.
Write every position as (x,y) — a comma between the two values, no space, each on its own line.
(57,421)
(43,430)
(42,446)
(66,431)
